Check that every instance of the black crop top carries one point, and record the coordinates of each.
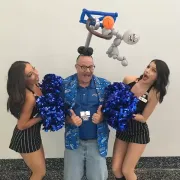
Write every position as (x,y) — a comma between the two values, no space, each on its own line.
(142,99)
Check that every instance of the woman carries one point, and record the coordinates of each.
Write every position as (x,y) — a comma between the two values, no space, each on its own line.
(129,145)
(22,88)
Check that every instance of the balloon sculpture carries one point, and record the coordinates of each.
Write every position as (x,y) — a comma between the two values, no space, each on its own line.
(108,20)
(119,102)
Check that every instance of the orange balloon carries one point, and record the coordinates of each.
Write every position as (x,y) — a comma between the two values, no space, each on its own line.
(108,22)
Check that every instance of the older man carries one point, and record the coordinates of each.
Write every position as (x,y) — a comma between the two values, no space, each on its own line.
(86,132)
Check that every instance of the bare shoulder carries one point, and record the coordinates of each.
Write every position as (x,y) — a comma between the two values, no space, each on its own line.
(129,79)
(154,94)
(30,99)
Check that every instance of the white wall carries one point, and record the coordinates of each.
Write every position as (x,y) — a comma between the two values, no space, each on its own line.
(42,32)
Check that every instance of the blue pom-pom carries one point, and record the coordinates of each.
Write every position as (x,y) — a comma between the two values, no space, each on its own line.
(51,84)
(51,104)
(119,105)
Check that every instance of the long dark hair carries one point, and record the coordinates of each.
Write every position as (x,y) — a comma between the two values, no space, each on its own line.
(162,80)
(16,87)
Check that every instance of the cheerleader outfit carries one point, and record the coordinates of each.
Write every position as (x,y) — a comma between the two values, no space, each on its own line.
(136,132)
(27,140)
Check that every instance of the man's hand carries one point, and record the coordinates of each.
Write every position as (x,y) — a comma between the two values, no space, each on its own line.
(75,120)
(98,116)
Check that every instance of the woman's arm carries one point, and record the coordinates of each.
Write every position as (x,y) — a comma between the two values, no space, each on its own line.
(152,102)
(24,121)
(129,79)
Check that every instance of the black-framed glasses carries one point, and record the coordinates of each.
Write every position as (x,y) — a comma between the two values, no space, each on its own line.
(84,68)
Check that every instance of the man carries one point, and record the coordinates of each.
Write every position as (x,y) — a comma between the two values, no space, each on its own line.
(86,132)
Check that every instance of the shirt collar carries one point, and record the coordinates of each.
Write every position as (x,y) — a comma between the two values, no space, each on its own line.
(91,85)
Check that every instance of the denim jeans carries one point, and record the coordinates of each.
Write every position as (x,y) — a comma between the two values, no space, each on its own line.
(87,154)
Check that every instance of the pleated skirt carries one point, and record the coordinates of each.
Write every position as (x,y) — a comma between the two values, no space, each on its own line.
(136,132)
(26,141)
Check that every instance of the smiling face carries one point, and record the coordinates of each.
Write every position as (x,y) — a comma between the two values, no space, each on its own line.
(31,75)
(85,69)
(150,73)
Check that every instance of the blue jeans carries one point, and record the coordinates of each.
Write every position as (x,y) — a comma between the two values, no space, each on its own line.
(88,153)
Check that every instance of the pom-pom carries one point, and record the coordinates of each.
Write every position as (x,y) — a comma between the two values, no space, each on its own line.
(86,51)
(51,104)
(119,105)
(51,83)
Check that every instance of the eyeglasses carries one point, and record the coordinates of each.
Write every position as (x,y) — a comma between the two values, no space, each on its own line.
(84,68)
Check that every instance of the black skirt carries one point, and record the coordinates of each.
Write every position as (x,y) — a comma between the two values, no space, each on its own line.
(136,132)
(26,141)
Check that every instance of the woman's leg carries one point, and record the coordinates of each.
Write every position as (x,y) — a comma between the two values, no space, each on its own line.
(36,162)
(119,152)
(134,152)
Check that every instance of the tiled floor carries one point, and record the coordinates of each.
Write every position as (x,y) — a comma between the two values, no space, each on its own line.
(56,175)
(147,169)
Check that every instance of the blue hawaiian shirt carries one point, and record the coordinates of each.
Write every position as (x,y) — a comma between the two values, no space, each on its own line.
(71,131)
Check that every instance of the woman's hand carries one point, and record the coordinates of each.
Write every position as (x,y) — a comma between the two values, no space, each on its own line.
(139,117)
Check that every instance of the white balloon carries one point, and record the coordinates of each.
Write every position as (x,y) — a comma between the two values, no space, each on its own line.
(97,24)
(114,32)
(120,58)
(124,62)
(106,31)
(130,37)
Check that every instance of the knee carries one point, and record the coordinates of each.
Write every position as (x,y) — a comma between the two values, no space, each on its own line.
(127,170)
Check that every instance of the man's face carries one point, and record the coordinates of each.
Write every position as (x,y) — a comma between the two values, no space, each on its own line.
(85,69)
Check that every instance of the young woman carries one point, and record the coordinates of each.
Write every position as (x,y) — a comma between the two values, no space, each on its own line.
(22,88)
(129,145)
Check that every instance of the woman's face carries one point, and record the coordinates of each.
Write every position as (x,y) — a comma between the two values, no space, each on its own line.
(150,73)
(31,75)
